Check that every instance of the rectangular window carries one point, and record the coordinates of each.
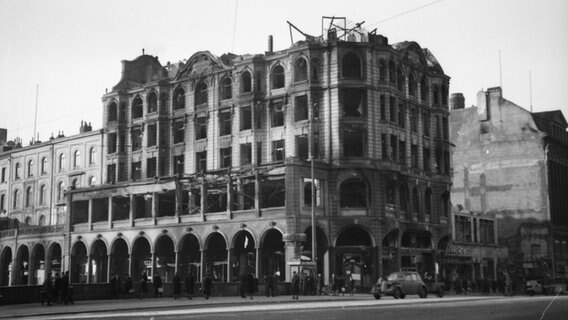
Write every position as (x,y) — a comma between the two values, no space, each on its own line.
(277,114)
(394,147)
(226,157)
(353,141)
(301,108)
(463,229)
(445,128)
(384,154)
(179,131)
(152,135)
(426,123)
(401,116)
(151,167)
(3,179)
(383,106)
(111,173)
(136,170)
(201,161)
(278,151)
(201,128)
(121,143)
(426,159)
(246,154)
(392,109)
(414,120)
(111,143)
(136,138)
(354,102)
(414,155)
(179,164)
(258,153)
(246,118)
(302,147)
(402,152)
(446,162)
(225,123)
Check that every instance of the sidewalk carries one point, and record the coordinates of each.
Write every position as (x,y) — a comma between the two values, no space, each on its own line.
(35,309)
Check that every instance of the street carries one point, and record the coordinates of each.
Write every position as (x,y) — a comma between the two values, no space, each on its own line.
(361,307)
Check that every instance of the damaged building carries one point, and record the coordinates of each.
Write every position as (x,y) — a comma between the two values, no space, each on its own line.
(216,164)
(511,164)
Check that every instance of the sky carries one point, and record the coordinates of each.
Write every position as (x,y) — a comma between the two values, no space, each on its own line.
(64,54)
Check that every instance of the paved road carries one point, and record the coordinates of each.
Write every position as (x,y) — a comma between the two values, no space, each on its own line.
(309,308)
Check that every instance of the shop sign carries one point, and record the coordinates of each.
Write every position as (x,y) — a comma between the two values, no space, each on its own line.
(455,250)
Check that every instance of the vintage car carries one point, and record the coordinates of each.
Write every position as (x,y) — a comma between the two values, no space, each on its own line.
(399,284)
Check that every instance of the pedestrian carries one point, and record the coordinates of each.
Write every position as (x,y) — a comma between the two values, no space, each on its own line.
(351,283)
(508,291)
(250,284)
(56,289)
(333,283)
(158,290)
(65,287)
(295,285)
(189,285)
(177,286)
(128,291)
(341,284)
(68,298)
(113,287)
(465,285)
(143,285)
(269,283)
(207,286)
(244,285)
(46,290)
(319,284)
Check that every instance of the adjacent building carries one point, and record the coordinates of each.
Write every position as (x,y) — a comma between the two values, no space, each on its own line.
(224,164)
(512,164)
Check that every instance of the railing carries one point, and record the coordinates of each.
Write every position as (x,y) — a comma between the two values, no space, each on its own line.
(7,233)
(41,229)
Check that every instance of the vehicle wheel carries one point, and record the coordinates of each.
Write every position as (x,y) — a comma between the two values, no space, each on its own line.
(440,292)
(402,296)
(397,293)
(422,293)
(377,296)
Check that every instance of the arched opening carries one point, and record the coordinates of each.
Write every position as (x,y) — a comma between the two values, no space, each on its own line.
(165,258)
(119,258)
(53,259)
(152,102)
(392,72)
(445,205)
(38,265)
(301,70)
(227,88)
(400,80)
(99,262)
(243,255)
(418,254)
(141,258)
(246,82)
(21,272)
(189,257)
(179,99)
(382,70)
(112,111)
(412,85)
(79,263)
(5,266)
(201,95)
(137,108)
(403,199)
(424,90)
(354,256)
(216,257)
(278,77)
(322,247)
(351,65)
(353,193)
(76,159)
(390,246)
(273,254)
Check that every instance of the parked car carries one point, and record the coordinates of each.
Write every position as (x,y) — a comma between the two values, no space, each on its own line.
(399,284)
(534,287)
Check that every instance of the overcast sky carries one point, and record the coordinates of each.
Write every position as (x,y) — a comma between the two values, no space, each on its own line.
(72,49)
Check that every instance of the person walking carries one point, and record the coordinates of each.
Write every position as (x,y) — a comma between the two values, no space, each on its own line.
(207,285)
(114,287)
(508,291)
(333,283)
(143,285)
(269,283)
(319,285)
(351,284)
(46,290)
(66,289)
(244,285)
(177,286)
(250,284)
(128,285)
(158,290)
(295,285)
(56,296)
(189,285)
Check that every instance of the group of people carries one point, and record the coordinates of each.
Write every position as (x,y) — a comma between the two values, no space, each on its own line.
(125,287)
(503,284)
(340,285)
(56,290)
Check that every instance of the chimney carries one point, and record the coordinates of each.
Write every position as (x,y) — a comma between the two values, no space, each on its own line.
(270,44)
(457,101)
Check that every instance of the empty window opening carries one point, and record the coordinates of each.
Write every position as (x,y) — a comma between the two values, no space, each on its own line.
(351,65)
(278,77)
(353,194)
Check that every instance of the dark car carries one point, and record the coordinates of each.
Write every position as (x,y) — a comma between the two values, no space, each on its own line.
(400,284)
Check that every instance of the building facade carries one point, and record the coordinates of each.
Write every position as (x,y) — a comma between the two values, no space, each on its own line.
(222,165)
(33,185)
(511,163)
